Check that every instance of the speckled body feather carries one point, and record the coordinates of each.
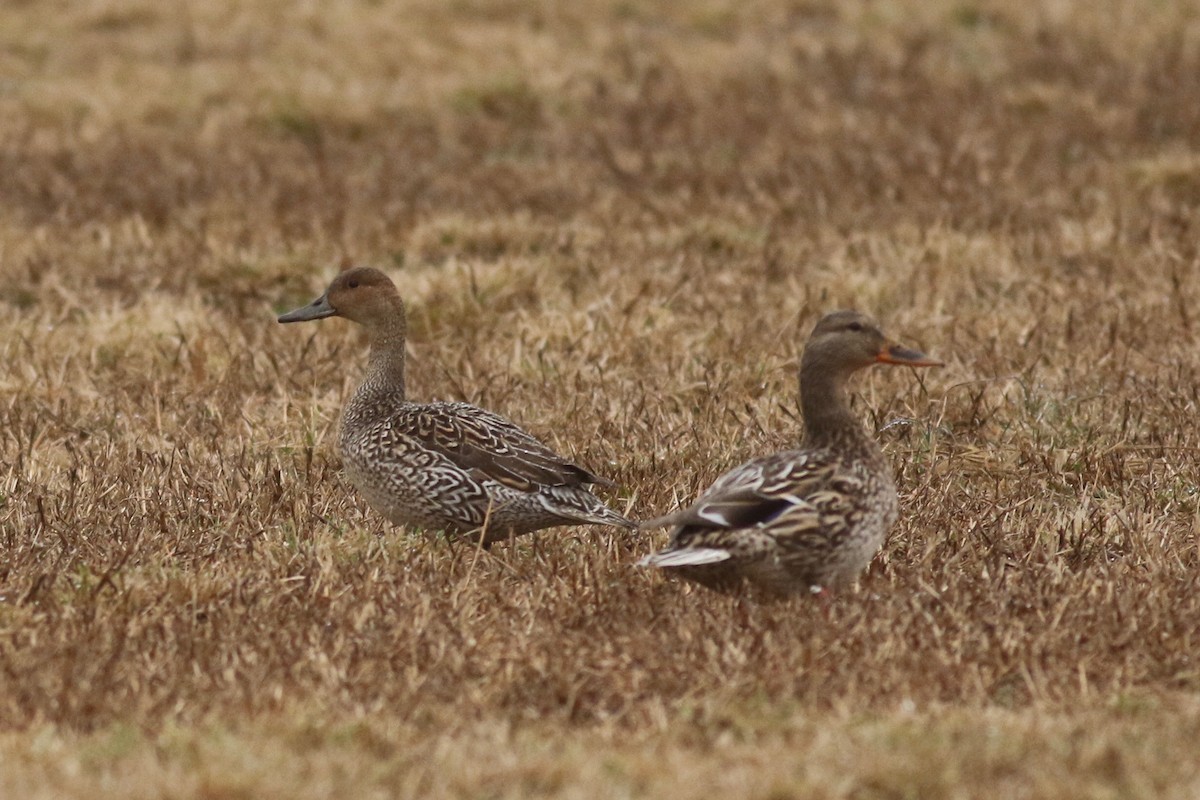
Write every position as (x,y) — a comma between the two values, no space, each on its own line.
(790,521)
(801,520)
(457,468)
(449,467)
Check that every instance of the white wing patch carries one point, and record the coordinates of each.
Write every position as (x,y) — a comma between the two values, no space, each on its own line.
(690,557)
(713,515)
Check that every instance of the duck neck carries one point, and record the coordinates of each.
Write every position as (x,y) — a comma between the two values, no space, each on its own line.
(828,420)
(385,366)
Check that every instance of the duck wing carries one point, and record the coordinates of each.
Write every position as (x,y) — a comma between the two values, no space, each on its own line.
(489,447)
(795,505)
(758,492)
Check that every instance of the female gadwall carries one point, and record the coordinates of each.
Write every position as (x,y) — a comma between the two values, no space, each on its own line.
(808,519)
(449,467)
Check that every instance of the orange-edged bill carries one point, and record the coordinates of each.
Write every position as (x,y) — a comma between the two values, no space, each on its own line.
(892,353)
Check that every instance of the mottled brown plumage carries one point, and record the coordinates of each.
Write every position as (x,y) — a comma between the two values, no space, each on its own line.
(449,467)
(806,519)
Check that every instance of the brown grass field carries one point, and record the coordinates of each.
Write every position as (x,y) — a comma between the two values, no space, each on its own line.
(614,222)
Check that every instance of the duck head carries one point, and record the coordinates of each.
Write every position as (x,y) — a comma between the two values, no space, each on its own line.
(362,294)
(847,341)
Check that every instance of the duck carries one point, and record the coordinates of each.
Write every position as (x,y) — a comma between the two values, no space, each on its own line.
(802,520)
(448,467)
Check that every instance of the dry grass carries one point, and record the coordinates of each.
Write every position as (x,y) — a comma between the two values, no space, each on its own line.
(613,222)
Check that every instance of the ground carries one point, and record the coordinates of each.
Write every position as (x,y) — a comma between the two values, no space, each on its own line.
(614,222)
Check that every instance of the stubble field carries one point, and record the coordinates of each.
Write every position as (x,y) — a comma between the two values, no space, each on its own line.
(614,223)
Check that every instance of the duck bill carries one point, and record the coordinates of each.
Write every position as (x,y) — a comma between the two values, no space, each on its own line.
(317,309)
(892,353)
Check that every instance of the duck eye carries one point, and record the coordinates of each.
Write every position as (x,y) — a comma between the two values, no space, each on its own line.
(857,327)
(352,284)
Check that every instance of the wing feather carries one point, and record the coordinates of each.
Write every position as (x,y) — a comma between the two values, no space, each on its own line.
(488,446)
(756,493)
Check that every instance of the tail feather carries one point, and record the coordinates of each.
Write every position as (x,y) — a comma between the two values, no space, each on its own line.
(606,516)
(580,505)
(665,521)
(686,557)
